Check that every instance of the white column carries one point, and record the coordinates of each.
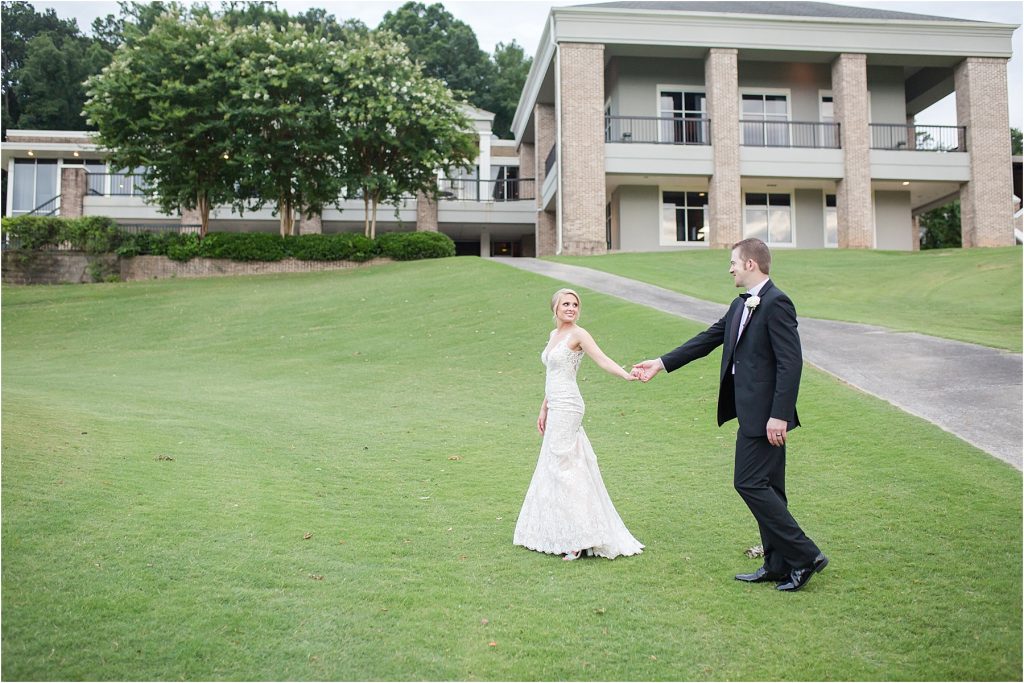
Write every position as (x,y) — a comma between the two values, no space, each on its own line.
(485,243)
(485,166)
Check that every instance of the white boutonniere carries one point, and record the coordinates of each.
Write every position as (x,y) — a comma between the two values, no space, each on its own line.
(752,302)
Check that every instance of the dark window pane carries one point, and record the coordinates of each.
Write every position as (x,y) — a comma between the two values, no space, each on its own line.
(778,199)
(757,199)
(830,200)
(695,221)
(677,198)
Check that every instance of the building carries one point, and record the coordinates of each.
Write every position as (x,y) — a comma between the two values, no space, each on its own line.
(487,210)
(666,125)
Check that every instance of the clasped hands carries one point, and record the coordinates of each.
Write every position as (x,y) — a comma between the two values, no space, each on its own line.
(646,370)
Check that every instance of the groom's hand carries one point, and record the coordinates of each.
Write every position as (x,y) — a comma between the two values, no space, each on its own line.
(776,430)
(648,369)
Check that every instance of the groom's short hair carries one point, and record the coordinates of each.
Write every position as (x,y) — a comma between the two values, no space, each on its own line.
(753,248)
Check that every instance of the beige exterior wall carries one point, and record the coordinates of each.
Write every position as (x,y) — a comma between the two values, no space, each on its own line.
(853,191)
(544,140)
(582,148)
(986,202)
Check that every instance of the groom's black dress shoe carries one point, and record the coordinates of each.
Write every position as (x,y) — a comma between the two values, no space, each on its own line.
(761,575)
(798,578)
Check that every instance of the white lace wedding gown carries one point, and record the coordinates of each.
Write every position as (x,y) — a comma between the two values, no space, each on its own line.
(567,507)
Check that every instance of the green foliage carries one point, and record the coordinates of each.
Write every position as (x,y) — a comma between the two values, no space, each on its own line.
(338,247)
(179,246)
(1015,142)
(411,246)
(157,106)
(35,232)
(91,234)
(511,67)
(940,228)
(400,126)
(243,246)
(51,92)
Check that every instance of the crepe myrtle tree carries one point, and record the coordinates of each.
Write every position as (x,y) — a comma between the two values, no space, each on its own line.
(287,147)
(399,127)
(156,106)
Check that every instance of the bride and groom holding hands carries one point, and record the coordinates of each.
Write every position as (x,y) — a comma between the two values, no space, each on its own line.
(567,510)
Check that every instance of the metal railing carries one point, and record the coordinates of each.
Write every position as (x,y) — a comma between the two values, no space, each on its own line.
(918,138)
(658,130)
(473,190)
(48,208)
(115,184)
(806,134)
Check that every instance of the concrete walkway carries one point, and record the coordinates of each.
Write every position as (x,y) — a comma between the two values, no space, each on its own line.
(971,391)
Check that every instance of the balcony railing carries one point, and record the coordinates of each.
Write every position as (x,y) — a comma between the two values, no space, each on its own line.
(115,184)
(918,138)
(807,134)
(657,130)
(473,190)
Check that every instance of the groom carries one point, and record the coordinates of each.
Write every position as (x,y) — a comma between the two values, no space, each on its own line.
(760,377)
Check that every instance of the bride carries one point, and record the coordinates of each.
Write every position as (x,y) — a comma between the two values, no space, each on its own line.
(567,509)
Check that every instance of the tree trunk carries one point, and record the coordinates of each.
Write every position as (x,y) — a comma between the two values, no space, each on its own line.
(203,206)
(287,215)
(373,219)
(366,213)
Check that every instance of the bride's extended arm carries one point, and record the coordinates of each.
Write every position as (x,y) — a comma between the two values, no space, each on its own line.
(542,418)
(591,348)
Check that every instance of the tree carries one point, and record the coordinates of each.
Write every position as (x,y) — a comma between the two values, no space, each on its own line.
(281,84)
(400,126)
(19,26)
(51,92)
(446,47)
(156,106)
(511,67)
(1015,142)
(940,228)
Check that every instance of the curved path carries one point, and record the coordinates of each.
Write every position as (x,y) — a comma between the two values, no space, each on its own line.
(971,391)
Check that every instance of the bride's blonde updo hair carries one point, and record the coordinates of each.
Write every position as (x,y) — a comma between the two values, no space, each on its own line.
(557,297)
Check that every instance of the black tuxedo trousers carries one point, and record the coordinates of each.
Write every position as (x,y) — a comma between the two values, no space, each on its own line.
(759,379)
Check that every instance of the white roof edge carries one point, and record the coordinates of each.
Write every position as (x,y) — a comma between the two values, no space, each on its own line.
(543,56)
(24,132)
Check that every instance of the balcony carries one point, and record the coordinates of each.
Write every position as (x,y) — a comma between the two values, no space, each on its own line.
(473,190)
(657,130)
(910,138)
(792,134)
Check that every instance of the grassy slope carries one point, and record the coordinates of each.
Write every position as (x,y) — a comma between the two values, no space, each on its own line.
(972,295)
(389,412)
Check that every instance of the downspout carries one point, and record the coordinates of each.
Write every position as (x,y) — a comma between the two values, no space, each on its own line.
(558,136)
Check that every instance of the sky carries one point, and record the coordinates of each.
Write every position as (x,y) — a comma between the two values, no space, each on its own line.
(523,21)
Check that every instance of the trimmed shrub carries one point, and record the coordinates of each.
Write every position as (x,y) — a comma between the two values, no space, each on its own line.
(35,232)
(93,234)
(338,247)
(243,246)
(411,246)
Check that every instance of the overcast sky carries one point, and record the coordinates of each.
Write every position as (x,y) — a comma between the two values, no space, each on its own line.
(523,21)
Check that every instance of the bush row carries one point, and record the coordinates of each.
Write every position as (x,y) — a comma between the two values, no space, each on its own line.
(99,235)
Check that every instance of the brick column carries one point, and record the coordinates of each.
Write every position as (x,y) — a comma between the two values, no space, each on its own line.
(854,212)
(426,213)
(986,201)
(72,192)
(725,220)
(582,148)
(527,167)
(544,140)
(312,225)
(191,217)
(915,233)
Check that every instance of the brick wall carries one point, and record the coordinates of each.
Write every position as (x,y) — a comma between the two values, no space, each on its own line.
(544,140)
(725,204)
(309,225)
(426,213)
(62,267)
(72,192)
(582,148)
(854,213)
(986,201)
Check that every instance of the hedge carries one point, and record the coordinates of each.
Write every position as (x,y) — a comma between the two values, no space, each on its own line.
(98,235)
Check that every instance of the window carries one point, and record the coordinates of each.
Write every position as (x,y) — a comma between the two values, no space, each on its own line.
(682,115)
(126,182)
(765,120)
(506,183)
(831,222)
(35,184)
(768,217)
(828,135)
(608,224)
(683,217)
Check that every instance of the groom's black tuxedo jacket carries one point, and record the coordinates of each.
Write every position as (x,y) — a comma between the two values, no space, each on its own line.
(768,362)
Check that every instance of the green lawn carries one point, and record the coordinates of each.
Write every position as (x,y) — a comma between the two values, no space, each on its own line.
(972,295)
(167,446)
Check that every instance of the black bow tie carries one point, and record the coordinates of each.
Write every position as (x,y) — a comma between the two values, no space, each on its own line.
(745,295)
